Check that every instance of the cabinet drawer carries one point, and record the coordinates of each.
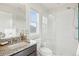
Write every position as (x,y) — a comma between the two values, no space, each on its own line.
(26,51)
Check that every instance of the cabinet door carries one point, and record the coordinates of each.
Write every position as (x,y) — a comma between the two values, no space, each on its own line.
(26,51)
(33,54)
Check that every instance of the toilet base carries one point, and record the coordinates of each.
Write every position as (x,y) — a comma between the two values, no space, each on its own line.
(45,52)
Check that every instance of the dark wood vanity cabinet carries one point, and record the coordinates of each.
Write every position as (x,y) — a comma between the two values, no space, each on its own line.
(30,51)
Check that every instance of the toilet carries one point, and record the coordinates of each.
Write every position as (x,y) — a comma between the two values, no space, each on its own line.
(45,51)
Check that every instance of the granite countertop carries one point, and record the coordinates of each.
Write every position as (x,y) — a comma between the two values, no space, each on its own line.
(8,50)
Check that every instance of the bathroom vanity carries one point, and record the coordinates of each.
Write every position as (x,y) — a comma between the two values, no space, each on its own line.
(19,49)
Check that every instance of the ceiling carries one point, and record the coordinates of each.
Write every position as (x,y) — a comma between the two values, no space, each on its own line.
(14,5)
(50,6)
(10,7)
(59,6)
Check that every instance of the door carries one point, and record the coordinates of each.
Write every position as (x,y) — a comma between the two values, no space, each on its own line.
(66,42)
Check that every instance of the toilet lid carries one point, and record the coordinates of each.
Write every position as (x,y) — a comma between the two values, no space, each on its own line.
(45,51)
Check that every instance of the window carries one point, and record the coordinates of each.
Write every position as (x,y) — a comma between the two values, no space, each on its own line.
(34,21)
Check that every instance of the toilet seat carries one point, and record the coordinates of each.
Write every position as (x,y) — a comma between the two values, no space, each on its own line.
(45,51)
